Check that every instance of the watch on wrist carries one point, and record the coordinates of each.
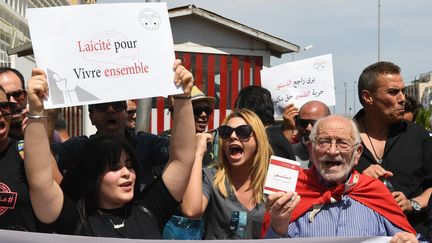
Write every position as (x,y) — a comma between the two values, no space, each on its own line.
(415,205)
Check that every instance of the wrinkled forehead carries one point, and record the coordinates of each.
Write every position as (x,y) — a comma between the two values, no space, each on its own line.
(335,128)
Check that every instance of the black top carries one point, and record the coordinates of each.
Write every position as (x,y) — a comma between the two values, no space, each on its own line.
(143,218)
(152,153)
(429,218)
(16,211)
(408,154)
(280,145)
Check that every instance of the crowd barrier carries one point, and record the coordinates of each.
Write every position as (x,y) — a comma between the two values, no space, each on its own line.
(19,236)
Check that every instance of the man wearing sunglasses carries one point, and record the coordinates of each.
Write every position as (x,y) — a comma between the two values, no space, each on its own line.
(13,83)
(309,113)
(202,107)
(110,118)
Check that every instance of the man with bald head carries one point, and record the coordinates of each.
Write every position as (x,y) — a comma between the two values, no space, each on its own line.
(331,199)
(309,113)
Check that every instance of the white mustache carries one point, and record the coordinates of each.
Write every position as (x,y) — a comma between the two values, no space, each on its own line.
(338,158)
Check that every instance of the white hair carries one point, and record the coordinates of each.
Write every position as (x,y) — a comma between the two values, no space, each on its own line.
(355,132)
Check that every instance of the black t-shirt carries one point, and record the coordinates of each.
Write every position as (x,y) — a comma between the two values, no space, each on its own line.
(143,218)
(16,211)
(152,153)
(408,154)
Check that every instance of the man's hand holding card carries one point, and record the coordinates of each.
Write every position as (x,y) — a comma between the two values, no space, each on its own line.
(280,187)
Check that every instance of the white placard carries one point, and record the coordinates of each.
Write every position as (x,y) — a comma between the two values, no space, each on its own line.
(299,82)
(95,53)
(282,175)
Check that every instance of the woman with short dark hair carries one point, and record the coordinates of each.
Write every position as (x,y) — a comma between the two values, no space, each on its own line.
(99,197)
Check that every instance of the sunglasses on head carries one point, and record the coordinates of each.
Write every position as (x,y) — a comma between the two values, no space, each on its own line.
(199,110)
(18,95)
(242,132)
(117,106)
(305,122)
(5,108)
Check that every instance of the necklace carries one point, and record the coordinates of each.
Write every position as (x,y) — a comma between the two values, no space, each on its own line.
(380,159)
(115,226)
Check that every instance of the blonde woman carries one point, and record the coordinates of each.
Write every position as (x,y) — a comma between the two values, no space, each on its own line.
(230,194)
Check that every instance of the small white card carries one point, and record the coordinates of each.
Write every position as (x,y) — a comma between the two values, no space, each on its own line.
(282,175)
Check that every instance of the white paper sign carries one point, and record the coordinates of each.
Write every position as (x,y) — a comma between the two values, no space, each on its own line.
(96,53)
(282,175)
(299,82)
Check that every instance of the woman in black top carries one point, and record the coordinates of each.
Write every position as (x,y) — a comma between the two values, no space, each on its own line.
(99,196)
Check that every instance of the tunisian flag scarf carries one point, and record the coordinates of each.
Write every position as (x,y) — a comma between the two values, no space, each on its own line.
(369,191)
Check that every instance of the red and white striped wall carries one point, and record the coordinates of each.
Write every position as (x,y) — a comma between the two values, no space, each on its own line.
(220,76)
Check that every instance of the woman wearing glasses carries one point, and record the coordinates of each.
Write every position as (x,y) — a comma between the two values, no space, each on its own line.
(230,194)
(100,196)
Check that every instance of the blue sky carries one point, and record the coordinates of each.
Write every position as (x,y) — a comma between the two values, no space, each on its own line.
(346,28)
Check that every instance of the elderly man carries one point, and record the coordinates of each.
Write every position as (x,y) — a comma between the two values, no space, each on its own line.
(13,83)
(309,113)
(394,149)
(331,198)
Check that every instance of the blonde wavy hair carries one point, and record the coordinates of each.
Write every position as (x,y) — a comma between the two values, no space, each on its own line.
(260,164)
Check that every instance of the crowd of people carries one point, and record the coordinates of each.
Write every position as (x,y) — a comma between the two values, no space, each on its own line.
(362,177)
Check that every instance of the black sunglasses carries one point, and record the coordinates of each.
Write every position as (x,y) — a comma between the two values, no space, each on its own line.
(18,95)
(305,122)
(117,106)
(198,110)
(5,108)
(242,132)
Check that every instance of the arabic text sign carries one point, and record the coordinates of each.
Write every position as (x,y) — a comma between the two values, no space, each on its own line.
(299,82)
(90,56)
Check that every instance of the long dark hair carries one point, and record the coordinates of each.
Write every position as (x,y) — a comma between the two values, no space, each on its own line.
(99,154)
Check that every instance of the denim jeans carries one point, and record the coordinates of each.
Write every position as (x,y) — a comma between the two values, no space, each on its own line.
(181,228)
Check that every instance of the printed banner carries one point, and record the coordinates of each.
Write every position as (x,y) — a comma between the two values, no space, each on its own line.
(96,53)
(19,236)
(299,82)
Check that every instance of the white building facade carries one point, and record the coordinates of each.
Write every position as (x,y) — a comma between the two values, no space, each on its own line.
(14,30)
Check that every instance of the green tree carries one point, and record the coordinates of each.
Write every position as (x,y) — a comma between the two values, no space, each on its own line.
(423,118)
